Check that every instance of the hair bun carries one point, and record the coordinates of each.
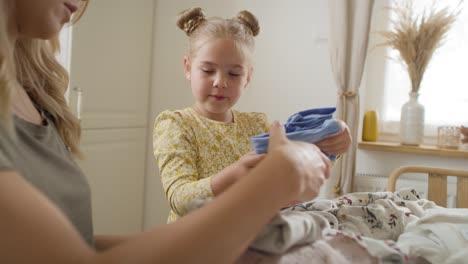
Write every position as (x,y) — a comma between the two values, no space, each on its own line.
(189,19)
(249,21)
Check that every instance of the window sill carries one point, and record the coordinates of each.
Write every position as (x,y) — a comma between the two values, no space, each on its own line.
(421,149)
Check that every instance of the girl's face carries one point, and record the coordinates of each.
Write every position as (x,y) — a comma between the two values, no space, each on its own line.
(218,75)
(42,19)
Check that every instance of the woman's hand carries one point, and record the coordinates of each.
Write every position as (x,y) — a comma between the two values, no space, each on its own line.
(232,173)
(302,166)
(336,144)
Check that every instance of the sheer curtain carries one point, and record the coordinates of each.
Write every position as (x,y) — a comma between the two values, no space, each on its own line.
(349,34)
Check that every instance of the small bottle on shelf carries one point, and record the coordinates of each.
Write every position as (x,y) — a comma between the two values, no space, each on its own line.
(370,128)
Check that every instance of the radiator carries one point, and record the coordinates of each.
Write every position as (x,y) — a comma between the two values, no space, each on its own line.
(367,182)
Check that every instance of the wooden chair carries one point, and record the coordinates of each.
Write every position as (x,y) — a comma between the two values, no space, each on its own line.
(437,187)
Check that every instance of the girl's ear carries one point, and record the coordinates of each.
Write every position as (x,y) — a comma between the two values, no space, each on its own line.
(187,67)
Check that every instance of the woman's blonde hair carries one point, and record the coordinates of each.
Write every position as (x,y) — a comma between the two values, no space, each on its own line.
(242,29)
(31,64)
(6,61)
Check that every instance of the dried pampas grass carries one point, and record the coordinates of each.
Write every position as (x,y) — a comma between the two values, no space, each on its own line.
(416,37)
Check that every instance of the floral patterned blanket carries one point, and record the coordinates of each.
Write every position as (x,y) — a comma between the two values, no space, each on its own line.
(359,228)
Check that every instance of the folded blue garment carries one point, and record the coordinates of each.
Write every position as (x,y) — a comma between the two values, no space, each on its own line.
(310,126)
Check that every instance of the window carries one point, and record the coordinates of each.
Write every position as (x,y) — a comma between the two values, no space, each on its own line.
(444,89)
(65,47)
(64,56)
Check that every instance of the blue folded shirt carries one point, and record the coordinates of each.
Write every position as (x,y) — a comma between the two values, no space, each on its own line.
(310,126)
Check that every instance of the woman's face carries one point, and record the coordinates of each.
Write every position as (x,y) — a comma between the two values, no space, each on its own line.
(42,19)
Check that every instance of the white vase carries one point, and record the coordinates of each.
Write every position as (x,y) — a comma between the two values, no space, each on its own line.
(412,121)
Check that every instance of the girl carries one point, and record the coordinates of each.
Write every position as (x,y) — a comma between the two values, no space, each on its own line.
(45,212)
(195,147)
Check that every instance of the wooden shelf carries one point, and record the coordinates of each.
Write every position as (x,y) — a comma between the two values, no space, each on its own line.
(421,149)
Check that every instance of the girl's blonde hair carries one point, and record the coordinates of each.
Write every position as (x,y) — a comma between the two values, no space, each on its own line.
(31,64)
(242,29)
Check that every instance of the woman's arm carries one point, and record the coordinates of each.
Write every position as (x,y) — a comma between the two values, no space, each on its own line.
(232,173)
(34,231)
(106,242)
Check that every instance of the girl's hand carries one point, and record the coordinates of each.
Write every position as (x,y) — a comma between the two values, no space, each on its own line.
(232,173)
(336,144)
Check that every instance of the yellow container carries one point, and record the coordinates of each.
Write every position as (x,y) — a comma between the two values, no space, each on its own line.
(370,128)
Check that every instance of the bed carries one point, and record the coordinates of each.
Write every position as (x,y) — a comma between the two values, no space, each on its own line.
(396,226)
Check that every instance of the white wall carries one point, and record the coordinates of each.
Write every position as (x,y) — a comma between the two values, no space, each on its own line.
(291,66)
